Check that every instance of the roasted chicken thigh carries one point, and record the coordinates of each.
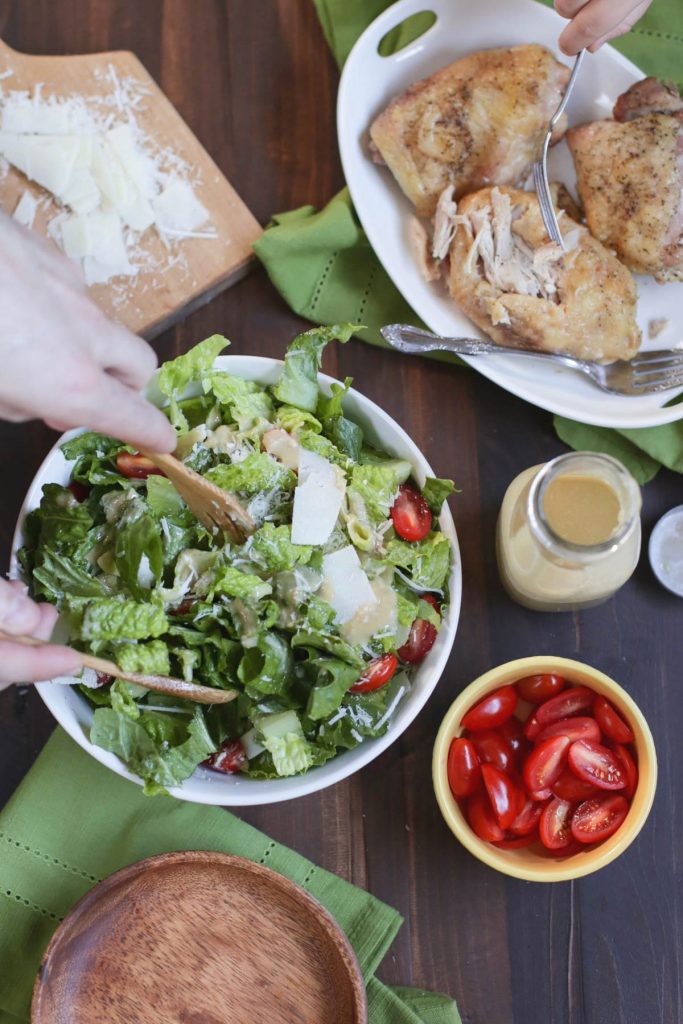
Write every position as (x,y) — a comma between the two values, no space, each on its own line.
(473,123)
(630,178)
(523,290)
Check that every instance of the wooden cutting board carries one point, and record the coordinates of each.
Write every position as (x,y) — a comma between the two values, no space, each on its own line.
(200,267)
(198,938)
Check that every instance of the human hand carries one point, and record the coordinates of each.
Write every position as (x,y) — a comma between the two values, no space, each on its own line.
(593,22)
(20,615)
(62,360)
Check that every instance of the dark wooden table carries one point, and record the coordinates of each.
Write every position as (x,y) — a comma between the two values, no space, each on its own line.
(254,80)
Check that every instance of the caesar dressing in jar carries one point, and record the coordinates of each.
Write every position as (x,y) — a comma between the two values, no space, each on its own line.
(569,532)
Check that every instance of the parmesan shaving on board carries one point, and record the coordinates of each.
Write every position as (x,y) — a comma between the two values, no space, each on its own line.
(105,180)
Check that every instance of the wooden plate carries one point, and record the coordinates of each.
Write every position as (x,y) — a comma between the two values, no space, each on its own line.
(198,938)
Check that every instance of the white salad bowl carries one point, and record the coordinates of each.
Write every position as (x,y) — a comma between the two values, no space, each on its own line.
(74,713)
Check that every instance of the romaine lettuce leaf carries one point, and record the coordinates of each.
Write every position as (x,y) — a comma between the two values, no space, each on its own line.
(427,561)
(332,679)
(267,667)
(246,400)
(107,618)
(162,497)
(64,522)
(150,658)
(258,472)
(236,583)
(294,420)
(323,446)
(139,554)
(283,737)
(378,483)
(175,375)
(122,697)
(345,434)
(298,384)
(271,547)
(58,576)
(435,492)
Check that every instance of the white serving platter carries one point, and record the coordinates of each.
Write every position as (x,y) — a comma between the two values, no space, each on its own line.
(369,81)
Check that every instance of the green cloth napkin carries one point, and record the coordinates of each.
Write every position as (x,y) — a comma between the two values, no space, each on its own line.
(73,822)
(324,267)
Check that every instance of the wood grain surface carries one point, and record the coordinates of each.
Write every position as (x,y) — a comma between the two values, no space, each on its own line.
(173,280)
(198,938)
(254,81)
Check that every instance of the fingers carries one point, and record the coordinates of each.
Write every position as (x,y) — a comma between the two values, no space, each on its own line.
(117,410)
(597,21)
(569,8)
(125,356)
(20,615)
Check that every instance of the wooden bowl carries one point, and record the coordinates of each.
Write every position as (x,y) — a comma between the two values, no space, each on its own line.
(533,863)
(198,938)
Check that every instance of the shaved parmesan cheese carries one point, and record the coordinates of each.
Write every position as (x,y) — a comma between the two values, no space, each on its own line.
(345,586)
(379,617)
(318,498)
(178,210)
(23,115)
(25,210)
(138,165)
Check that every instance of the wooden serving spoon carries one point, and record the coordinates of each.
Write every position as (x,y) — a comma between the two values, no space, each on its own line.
(160,684)
(215,508)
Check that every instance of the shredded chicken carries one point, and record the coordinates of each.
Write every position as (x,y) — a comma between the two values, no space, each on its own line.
(445,221)
(656,326)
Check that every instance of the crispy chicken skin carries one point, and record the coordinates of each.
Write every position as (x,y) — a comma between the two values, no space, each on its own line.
(630,178)
(473,123)
(523,291)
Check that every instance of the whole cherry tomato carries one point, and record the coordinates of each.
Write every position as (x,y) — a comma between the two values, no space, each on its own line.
(492,748)
(578,728)
(629,768)
(532,727)
(511,731)
(599,817)
(554,828)
(536,689)
(464,773)
(507,798)
(545,764)
(574,701)
(376,674)
(569,787)
(228,759)
(482,820)
(596,764)
(527,819)
(136,466)
(410,514)
(421,637)
(490,712)
(611,722)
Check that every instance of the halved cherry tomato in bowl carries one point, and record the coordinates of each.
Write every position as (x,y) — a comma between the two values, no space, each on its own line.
(410,514)
(554,828)
(512,733)
(376,674)
(532,727)
(527,819)
(574,701)
(136,466)
(228,759)
(464,772)
(507,798)
(421,637)
(629,768)
(578,728)
(490,712)
(599,817)
(492,748)
(545,764)
(536,689)
(596,764)
(481,818)
(515,842)
(569,787)
(80,491)
(611,722)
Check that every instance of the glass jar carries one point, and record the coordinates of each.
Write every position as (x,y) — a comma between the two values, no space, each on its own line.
(568,532)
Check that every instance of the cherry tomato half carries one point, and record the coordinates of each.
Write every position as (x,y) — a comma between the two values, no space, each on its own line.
(578,728)
(569,787)
(79,491)
(464,773)
(629,768)
(554,828)
(527,819)
(136,467)
(410,514)
(536,689)
(598,818)
(514,842)
(229,757)
(574,701)
(492,711)
(545,764)
(421,637)
(376,674)
(611,722)
(507,798)
(492,748)
(481,818)
(596,764)
(532,727)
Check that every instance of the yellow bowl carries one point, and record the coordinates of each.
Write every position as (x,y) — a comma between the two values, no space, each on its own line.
(529,862)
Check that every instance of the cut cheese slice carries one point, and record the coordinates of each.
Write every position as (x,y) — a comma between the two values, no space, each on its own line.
(317,499)
(26,117)
(177,209)
(25,210)
(137,164)
(345,586)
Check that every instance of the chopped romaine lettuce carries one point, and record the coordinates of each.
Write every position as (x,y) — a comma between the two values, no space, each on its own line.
(177,374)
(108,618)
(272,548)
(298,384)
(257,473)
(435,492)
(378,483)
(427,561)
(246,401)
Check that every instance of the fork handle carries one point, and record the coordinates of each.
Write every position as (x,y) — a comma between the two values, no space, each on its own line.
(406,338)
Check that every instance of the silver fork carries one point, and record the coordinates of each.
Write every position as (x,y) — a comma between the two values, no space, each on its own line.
(644,374)
(540,167)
